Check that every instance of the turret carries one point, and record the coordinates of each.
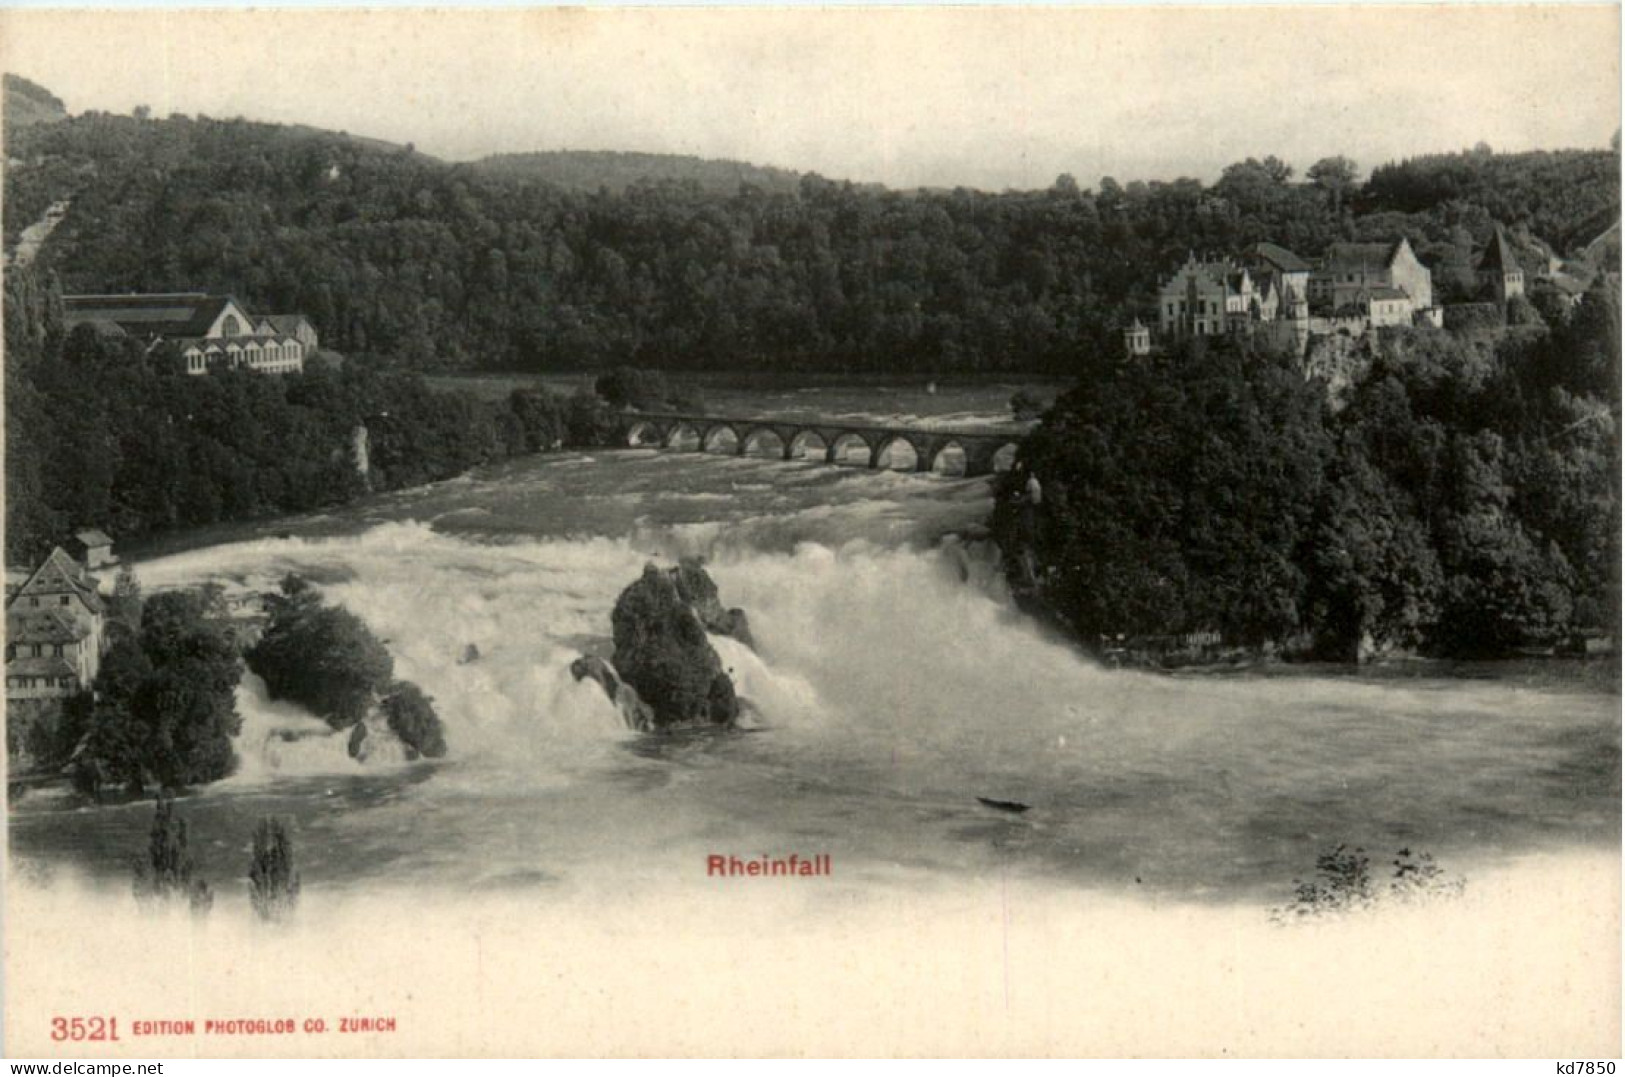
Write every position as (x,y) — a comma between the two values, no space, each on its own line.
(1137,340)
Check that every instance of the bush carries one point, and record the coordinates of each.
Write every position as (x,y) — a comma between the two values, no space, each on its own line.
(1459,317)
(589,422)
(1026,405)
(629,387)
(412,718)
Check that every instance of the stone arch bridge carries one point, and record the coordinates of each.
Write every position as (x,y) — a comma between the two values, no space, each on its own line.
(985,449)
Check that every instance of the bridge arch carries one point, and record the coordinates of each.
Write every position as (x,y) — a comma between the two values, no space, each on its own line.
(684,436)
(645,434)
(1004,457)
(762,441)
(805,443)
(949,459)
(721,437)
(898,452)
(848,446)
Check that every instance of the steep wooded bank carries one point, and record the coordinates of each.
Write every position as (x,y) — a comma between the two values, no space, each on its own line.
(1460,497)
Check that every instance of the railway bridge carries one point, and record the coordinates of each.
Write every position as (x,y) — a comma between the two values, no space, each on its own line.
(983,449)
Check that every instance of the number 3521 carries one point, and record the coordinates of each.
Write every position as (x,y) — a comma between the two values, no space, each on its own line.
(76,1029)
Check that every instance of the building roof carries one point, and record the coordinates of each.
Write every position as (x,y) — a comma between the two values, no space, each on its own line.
(60,573)
(288,323)
(1385,293)
(1345,256)
(1498,256)
(93,537)
(1566,284)
(45,625)
(48,666)
(174,314)
(1279,257)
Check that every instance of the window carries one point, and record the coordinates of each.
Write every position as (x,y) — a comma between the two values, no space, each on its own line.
(64,600)
(34,602)
(58,649)
(231,327)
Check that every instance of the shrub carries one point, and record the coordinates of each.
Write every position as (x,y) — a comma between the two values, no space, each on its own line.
(1344,883)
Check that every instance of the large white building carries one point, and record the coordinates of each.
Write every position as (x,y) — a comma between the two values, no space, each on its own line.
(206,332)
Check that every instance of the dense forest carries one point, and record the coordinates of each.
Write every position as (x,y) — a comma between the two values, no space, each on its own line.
(472,267)
(1460,497)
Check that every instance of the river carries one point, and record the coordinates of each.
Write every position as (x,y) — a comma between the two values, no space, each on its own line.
(896,685)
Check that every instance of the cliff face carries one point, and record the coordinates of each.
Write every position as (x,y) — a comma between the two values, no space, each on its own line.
(1340,360)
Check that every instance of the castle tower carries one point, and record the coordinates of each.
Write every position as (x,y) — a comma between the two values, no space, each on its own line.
(1498,271)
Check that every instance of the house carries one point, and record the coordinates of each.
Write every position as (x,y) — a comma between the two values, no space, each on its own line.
(1274,264)
(93,548)
(1209,298)
(1264,293)
(1499,275)
(55,631)
(1351,274)
(207,332)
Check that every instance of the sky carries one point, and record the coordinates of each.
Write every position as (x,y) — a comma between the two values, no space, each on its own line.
(913,96)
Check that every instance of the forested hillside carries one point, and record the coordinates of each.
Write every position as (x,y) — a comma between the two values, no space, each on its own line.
(1567,198)
(30,103)
(453,267)
(591,170)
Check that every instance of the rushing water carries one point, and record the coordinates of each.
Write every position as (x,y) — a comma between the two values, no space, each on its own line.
(896,684)
(543,889)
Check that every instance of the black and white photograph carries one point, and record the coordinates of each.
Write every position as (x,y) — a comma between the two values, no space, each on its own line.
(781,532)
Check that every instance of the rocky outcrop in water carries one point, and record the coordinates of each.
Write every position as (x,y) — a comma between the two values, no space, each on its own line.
(666,673)
(695,587)
(634,711)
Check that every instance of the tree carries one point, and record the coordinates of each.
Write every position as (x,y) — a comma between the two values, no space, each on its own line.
(1334,175)
(321,657)
(166,873)
(187,704)
(165,710)
(273,880)
(412,718)
(126,602)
